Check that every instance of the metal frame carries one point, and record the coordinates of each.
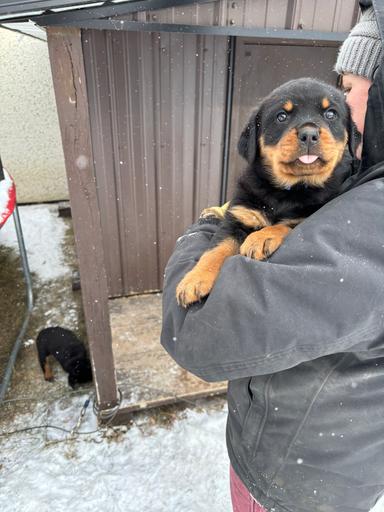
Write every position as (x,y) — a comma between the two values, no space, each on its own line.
(228,117)
(282,36)
(105,17)
(28,285)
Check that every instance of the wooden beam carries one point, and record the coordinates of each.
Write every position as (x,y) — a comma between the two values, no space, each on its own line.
(126,413)
(67,65)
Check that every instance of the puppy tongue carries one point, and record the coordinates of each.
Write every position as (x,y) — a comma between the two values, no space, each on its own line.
(308,159)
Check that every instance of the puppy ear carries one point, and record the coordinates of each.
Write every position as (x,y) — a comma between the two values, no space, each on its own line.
(248,145)
(354,136)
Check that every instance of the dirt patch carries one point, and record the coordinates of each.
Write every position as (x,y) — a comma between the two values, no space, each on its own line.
(12,300)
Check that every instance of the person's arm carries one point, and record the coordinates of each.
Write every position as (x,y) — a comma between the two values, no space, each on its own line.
(321,293)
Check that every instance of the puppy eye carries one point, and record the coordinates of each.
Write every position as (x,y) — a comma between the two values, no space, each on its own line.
(281,117)
(330,114)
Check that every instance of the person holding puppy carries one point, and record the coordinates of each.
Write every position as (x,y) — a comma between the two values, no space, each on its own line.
(300,338)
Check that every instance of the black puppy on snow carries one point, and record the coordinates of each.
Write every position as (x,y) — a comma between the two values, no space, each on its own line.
(68,350)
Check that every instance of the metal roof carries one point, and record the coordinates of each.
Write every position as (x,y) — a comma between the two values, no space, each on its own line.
(20,7)
(27,28)
(108,15)
(53,10)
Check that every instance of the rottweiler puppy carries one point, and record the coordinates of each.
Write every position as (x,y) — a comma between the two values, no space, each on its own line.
(299,146)
(68,350)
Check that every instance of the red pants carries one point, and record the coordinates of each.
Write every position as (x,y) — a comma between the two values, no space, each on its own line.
(242,501)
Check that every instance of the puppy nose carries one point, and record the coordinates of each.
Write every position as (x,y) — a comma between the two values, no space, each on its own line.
(308,134)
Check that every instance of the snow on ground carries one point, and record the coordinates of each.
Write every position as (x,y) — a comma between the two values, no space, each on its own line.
(43,233)
(182,467)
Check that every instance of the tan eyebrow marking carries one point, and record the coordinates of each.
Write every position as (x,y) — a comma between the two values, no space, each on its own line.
(325,103)
(288,106)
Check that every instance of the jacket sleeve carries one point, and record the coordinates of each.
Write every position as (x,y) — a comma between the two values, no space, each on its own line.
(321,293)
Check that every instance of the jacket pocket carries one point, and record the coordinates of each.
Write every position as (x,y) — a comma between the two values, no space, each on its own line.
(257,414)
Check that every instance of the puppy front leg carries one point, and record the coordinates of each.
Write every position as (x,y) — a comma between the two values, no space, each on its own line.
(198,282)
(43,354)
(48,373)
(261,244)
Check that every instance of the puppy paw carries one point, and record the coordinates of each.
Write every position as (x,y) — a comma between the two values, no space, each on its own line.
(193,287)
(261,244)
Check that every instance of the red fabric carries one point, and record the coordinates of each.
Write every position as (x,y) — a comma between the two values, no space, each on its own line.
(242,501)
(7,198)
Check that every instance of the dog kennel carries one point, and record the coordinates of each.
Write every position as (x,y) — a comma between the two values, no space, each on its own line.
(151,98)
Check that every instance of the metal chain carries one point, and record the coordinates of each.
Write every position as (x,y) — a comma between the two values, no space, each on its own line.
(80,419)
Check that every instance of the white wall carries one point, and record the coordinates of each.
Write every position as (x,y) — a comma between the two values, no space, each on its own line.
(30,142)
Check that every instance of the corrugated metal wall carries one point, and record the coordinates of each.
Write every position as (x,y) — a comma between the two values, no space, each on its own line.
(157,118)
(157,106)
(326,15)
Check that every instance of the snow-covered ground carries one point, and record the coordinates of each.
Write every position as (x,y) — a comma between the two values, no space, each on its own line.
(181,467)
(43,232)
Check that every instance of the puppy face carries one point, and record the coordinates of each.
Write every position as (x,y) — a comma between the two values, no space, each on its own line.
(300,133)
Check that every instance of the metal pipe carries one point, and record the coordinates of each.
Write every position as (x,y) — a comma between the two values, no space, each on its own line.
(28,283)
(228,118)
(273,35)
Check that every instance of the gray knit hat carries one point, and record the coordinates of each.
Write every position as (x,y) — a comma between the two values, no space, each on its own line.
(362,51)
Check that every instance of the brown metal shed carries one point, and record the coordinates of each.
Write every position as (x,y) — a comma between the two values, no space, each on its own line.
(151,98)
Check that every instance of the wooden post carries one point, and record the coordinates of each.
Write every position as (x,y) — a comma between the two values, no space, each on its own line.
(67,65)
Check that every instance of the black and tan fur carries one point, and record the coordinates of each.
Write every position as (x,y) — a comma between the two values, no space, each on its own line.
(277,191)
(68,350)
